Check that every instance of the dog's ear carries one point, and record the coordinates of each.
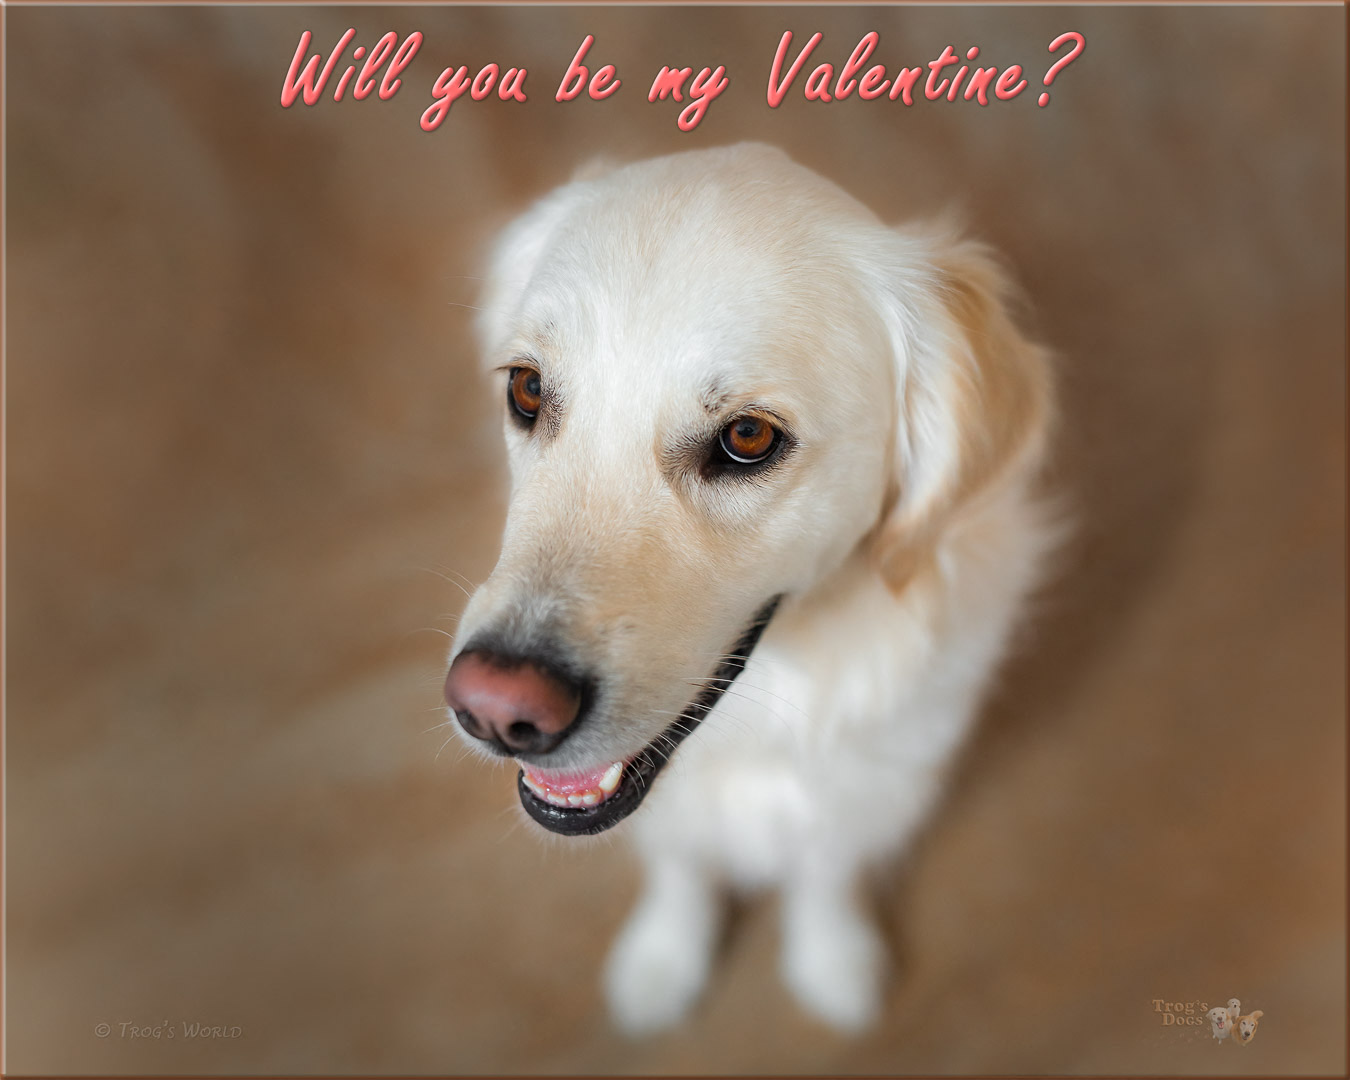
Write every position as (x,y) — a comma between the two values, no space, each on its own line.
(515,254)
(973,394)
(1257,1014)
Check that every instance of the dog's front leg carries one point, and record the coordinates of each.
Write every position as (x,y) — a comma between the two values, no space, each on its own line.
(660,961)
(834,959)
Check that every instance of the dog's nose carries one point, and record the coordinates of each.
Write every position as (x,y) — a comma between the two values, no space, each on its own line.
(514,703)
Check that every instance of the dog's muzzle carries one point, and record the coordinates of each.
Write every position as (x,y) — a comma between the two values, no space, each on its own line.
(586,804)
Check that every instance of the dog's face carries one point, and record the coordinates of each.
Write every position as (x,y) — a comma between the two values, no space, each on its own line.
(1246,1026)
(1218,1016)
(1234,1008)
(699,366)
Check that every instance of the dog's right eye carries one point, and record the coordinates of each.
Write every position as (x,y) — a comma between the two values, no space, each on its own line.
(749,440)
(524,391)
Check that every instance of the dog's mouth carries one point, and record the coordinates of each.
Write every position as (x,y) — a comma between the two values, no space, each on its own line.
(589,802)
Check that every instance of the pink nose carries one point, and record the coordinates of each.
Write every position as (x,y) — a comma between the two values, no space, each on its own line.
(513,703)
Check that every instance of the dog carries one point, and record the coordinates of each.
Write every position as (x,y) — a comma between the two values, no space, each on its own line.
(776,506)
(1219,1024)
(1234,1011)
(1245,1031)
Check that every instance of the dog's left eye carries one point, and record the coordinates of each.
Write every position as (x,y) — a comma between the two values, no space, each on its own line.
(525,390)
(749,440)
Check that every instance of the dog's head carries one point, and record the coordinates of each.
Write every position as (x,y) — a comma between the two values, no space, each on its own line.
(1234,1008)
(1218,1016)
(720,377)
(1246,1026)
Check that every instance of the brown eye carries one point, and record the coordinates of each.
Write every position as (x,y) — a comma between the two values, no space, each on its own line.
(749,440)
(525,392)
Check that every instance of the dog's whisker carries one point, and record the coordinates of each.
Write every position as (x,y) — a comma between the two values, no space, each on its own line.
(727,691)
(759,659)
(744,685)
(444,574)
(681,721)
(666,741)
(432,630)
(443,746)
(461,577)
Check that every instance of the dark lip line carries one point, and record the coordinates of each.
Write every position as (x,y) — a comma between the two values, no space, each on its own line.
(638,774)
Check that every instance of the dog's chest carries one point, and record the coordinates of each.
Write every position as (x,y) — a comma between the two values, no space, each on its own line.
(755,814)
(802,755)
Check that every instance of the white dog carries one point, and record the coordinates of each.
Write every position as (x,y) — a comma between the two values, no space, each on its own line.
(1219,1025)
(753,432)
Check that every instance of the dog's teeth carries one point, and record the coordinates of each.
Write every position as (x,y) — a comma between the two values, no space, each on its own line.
(609,783)
(610,780)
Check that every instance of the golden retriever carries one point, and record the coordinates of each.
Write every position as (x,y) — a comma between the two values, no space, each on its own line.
(756,438)
(1244,1031)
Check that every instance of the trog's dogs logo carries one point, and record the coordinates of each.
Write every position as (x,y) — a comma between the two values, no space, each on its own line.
(1225,1021)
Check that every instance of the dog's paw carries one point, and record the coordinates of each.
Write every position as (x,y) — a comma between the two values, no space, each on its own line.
(837,971)
(655,973)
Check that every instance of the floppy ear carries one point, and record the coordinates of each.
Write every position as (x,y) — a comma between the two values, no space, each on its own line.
(973,394)
(518,249)
(1256,1015)
(515,254)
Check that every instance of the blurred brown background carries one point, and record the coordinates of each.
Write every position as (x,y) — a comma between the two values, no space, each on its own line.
(249,450)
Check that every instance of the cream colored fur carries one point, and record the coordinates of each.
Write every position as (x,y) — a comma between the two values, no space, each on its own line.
(903,530)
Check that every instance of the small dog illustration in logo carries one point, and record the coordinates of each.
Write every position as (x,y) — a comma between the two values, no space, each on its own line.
(1245,1031)
(1218,1022)
(1234,1011)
